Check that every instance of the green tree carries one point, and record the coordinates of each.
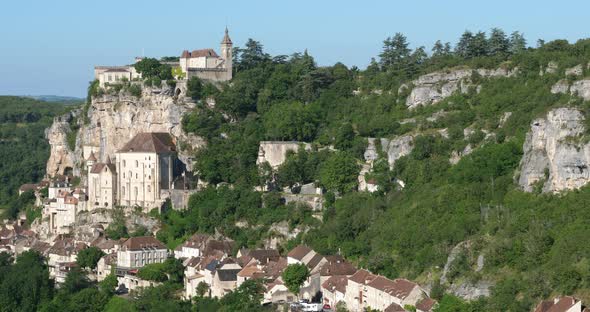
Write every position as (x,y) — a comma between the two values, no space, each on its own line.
(339,172)
(202,289)
(517,42)
(294,276)
(194,88)
(498,43)
(88,257)
(248,297)
(109,284)
(395,52)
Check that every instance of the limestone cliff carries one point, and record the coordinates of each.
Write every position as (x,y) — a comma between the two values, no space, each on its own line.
(112,120)
(554,153)
(434,87)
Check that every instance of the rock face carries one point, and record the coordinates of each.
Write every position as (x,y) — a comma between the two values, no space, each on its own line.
(397,148)
(61,157)
(553,153)
(275,152)
(580,88)
(114,119)
(434,87)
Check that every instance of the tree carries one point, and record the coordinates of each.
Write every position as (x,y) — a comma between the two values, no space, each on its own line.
(151,68)
(76,280)
(339,172)
(395,52)
(88,258)
(109,284)
(194,88)
(247,297)
(479,45)
(202,289)
(251,56)
(498,43)
(463,46)
(517,42)
(294,276)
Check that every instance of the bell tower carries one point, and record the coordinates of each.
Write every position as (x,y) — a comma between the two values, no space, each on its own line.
(226,53)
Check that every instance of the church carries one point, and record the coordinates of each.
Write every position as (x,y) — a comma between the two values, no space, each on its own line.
(141,174)
(205,64)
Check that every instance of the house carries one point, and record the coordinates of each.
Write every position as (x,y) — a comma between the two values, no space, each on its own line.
(336,265)
(225,278)
(561,304)
(62,210)
(314,262)
(426,305)
(277,292)
(107,246)
(102,183)
(105,266)
(136,252)
(134,283)
(64,251)
(197,270)
(204,245)
(334,289)
(260,256)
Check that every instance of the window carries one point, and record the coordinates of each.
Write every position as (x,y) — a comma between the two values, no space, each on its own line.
(149,188)
(136,163)
(123,191)
(135,189)
(124,163)
(110,78)
(136,176)
(123,175)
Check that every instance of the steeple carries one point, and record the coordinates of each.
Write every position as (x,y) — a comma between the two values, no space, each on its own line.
(226,39)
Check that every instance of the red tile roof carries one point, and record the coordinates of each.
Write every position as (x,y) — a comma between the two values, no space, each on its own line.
(336,265)
(362,277)
(426,304)
(299,252)
(336,282)
(399,288)
(199,53)
(394,307)
(142,242)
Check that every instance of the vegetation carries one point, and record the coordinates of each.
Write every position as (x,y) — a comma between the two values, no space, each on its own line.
(294,276)
(23,148)
(88,258)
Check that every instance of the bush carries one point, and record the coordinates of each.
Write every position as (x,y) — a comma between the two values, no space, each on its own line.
(135,90)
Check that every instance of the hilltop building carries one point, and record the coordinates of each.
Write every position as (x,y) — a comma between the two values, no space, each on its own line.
(205,64)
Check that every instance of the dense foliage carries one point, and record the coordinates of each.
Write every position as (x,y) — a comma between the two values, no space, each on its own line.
(401,232)
(23,147)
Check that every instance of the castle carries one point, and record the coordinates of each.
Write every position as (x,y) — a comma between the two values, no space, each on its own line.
(205,64)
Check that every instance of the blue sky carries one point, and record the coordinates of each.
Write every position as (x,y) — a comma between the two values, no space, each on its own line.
(51,46)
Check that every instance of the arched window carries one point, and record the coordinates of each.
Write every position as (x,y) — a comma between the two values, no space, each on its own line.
(149,188)
(136,163)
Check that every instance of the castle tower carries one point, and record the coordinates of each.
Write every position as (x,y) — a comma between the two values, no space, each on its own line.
(226,53)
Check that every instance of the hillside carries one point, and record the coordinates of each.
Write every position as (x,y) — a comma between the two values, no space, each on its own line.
(466,117)
(23,147)
(463,170)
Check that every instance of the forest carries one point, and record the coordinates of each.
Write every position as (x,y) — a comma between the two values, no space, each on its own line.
(535,244)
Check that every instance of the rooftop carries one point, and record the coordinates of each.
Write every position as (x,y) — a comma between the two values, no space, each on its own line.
(150,142)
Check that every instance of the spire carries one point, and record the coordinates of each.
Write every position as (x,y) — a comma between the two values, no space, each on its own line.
(226,39)
(91,157)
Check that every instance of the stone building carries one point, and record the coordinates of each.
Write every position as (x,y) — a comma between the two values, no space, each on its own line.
(102,183)
(205,64)
(142,175)
(136,252)
(147,168)
(63,209)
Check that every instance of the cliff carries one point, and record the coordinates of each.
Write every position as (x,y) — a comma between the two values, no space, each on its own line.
(114,119)
(555,154)
(434,87)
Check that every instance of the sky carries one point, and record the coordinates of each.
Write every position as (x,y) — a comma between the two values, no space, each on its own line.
(49,47)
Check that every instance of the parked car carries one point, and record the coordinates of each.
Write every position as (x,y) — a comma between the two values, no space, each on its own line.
(312,307)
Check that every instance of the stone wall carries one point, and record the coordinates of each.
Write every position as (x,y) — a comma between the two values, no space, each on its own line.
(275,152)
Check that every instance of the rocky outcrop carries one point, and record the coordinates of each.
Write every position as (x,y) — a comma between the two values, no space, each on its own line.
(397,148)
(580,88)
(577,70)
(434,87)
(275,152)
(554,155)
(114,119)
(61,157)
